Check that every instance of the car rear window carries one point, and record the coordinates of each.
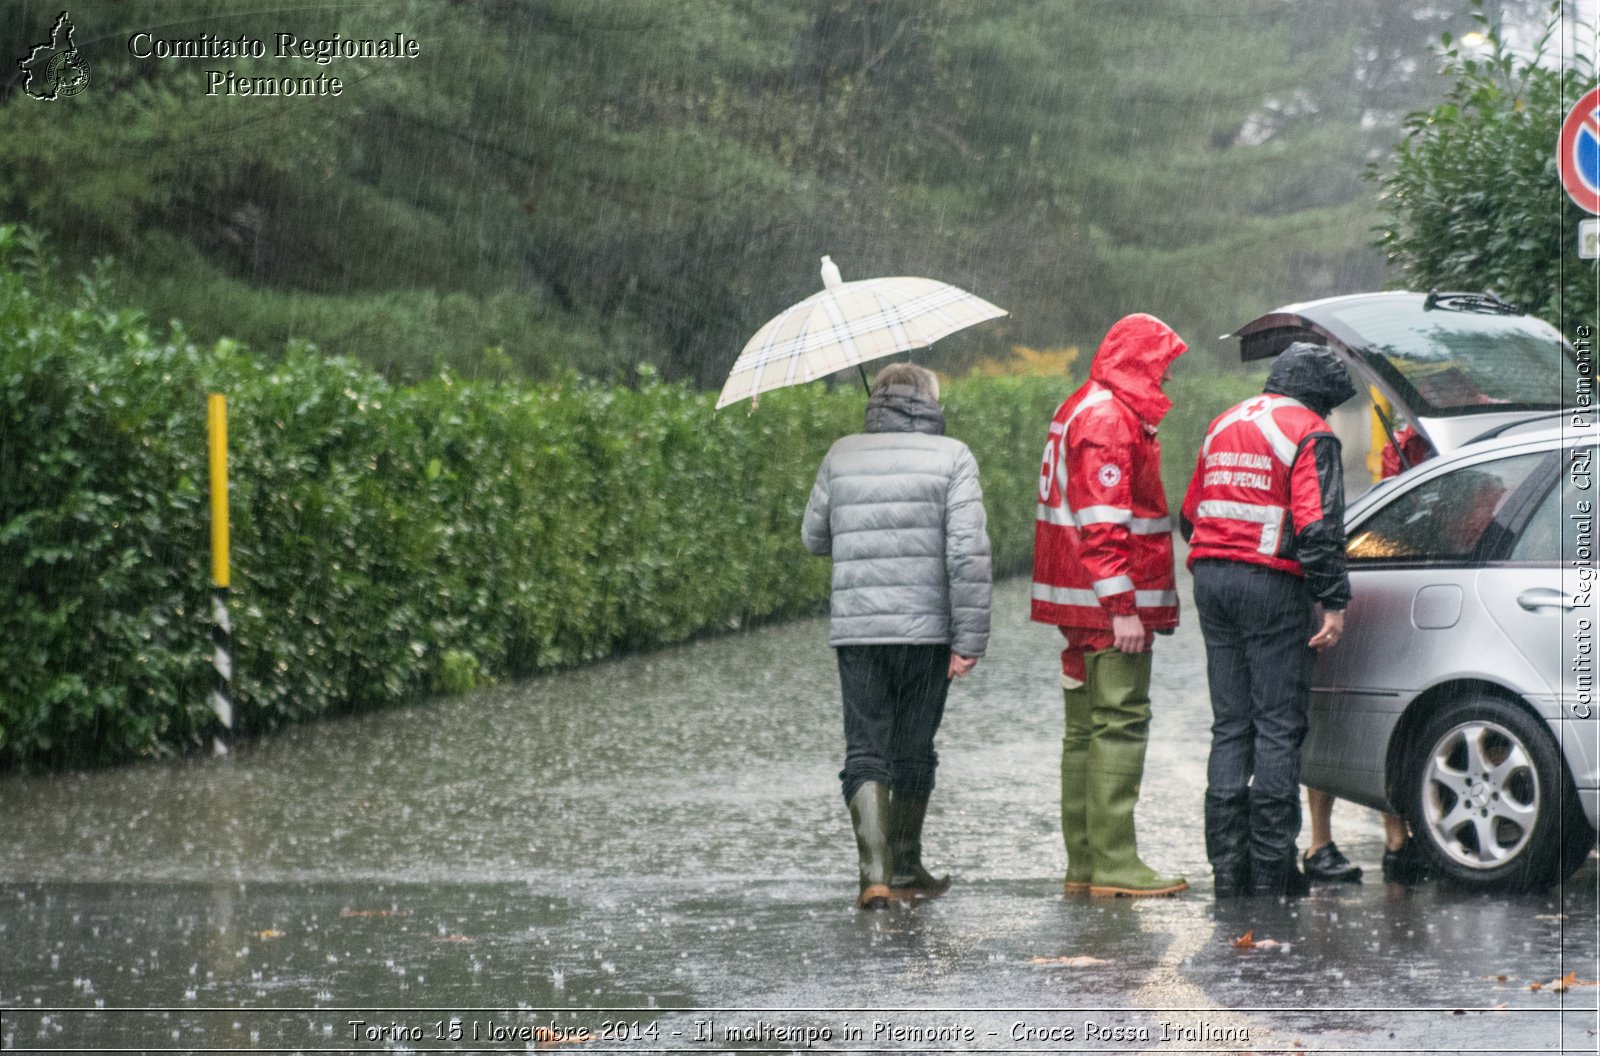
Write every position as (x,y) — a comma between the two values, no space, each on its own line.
(1463,361)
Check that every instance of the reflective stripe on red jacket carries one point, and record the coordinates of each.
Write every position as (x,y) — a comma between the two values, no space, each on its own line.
(1256,484)
(1102,534)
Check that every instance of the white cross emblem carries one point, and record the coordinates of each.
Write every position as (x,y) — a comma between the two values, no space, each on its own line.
(1255,408)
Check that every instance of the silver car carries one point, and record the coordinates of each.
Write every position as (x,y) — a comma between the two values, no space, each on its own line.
(1462,693)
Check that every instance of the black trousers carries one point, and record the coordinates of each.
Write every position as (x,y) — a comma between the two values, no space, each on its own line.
(893,703)
(1256,623)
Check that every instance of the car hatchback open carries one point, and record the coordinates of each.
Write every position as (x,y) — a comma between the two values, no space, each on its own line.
(1461,695)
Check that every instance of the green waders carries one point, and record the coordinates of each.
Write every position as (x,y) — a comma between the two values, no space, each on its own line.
(1074,791)
(1118,686)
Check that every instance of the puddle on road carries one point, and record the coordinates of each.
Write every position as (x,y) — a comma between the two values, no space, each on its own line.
(653,837)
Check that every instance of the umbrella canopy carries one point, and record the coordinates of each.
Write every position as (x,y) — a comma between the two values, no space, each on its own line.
(849,323)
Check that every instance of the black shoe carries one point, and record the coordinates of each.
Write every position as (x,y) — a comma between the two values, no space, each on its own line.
(1405,866)
(1330,866)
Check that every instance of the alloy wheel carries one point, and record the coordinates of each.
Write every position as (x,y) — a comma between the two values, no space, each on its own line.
(1480,794)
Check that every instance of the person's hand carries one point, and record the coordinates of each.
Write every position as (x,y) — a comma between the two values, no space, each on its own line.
(1330,632)
(1128,635)
(960,665)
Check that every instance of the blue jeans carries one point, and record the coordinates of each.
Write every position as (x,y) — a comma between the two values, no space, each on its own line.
(1256,623)
(893,703)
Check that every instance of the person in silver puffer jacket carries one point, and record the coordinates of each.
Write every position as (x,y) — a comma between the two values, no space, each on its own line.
(900,510)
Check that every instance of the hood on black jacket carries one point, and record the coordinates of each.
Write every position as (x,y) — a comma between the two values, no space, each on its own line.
(1311,374)
(902,409)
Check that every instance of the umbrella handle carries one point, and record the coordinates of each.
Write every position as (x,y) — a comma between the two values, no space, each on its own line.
(864,383)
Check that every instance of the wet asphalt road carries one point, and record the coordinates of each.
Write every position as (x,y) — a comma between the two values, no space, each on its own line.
(652,854)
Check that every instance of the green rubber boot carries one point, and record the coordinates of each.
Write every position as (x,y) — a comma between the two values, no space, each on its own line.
(1119,687)
(869,816)
(909,879)
(1074,761)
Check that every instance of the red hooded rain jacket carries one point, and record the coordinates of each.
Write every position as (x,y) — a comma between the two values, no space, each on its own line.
(1103,536)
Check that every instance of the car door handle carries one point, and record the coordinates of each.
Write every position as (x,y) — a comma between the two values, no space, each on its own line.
(1544,598)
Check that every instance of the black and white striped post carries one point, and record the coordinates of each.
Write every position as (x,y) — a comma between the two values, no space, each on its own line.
(221,699)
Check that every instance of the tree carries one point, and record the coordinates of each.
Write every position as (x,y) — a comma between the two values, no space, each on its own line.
(1473,199)
(561,184)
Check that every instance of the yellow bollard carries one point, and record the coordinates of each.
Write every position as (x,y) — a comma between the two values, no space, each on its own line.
(217,415)
(221,627)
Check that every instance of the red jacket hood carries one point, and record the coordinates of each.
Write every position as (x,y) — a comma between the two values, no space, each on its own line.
(1135,353)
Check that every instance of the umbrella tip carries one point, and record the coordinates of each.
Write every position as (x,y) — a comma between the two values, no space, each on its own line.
(830,274)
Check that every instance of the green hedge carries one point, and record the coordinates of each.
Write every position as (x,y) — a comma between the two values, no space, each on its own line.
(388,542)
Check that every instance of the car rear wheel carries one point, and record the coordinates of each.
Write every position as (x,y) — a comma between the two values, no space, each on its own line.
(1489,799)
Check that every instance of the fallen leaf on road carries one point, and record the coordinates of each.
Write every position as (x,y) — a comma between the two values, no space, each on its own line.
(1248,941)
(1570,981)
(453,938)
(1082,961)
(1565,983)
(270,933)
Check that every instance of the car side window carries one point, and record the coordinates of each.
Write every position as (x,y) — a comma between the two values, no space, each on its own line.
(1444,518)
(1551,535)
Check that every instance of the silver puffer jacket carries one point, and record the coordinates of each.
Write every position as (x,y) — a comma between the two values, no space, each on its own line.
(900,510)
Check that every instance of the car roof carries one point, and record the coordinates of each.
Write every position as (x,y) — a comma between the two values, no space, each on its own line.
(1516,438)
(1557,428)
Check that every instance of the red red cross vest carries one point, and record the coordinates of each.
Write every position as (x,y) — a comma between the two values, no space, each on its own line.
(1102,533)
(1251,492)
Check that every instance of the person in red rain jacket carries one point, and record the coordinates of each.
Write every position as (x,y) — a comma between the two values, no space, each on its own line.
(1103,573)
(1264,517)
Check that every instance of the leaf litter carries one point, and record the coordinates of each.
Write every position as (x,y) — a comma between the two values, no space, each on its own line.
(1248,941)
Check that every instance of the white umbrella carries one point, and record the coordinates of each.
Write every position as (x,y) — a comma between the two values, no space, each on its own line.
(847,324)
